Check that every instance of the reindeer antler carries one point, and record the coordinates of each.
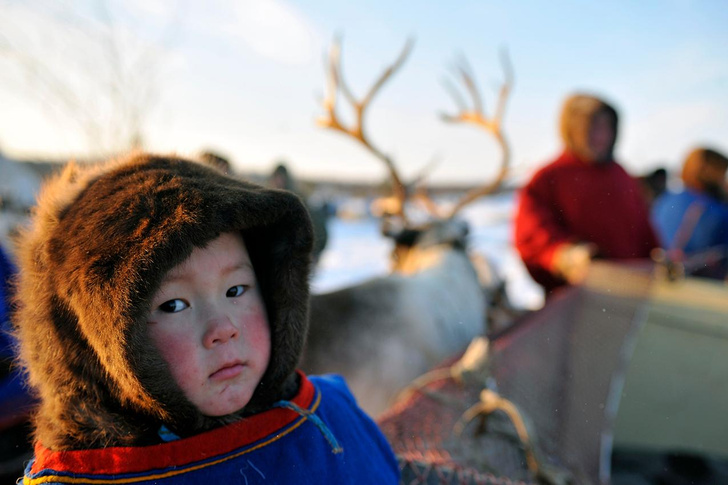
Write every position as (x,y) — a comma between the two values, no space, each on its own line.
(475,115)
(356,131)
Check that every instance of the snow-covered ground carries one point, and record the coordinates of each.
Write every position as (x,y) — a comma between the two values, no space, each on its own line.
(356,250)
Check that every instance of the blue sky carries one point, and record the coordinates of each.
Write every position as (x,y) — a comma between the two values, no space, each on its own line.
(243,77)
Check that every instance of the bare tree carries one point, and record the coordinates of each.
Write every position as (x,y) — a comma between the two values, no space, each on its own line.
(88,68)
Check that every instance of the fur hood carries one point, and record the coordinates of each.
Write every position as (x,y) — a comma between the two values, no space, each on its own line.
(101,240)
(576,119)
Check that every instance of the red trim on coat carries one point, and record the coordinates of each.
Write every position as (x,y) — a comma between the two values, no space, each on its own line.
(175,453)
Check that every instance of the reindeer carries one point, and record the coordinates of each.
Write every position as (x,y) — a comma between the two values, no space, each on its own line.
(384,332)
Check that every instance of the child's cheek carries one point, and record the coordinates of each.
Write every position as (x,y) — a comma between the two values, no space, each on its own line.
(178,349)
(257,332)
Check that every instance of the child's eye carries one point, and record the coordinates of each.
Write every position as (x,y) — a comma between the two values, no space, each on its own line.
(235,291)
(173,306)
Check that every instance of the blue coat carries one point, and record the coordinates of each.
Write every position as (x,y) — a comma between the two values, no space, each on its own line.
(690,222)
(321,436)
(704,220)
(15,400)
(7,271)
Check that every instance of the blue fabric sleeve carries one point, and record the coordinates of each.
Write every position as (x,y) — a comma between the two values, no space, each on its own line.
(7,271)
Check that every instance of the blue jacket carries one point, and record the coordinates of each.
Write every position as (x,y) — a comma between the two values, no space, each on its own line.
(319,437)
(690,223)
(702,219)
(15,400)
(7,271)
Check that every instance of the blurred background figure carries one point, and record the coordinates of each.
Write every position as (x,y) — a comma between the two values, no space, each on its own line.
(15,400)
(281,178)
(583,204)
(19,184)
(217,161)
(692,224)
(654,184)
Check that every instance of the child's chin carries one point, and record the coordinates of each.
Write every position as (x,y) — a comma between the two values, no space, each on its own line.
(226,405)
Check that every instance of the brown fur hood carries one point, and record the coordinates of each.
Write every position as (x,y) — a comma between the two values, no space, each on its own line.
(101,240)
(576,119)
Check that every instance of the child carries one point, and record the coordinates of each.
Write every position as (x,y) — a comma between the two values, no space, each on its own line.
(162,312)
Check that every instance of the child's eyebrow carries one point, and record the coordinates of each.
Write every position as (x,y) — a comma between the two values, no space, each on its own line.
(242,265)
(174,276)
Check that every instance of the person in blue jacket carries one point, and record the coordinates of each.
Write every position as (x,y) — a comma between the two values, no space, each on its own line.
(692,224)
(16,403)
(14,400)
(162,311)
(7,270)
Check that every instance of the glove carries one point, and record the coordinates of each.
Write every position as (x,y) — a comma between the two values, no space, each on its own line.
(571,261)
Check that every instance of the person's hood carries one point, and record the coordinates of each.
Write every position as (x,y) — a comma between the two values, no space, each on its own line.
(577,116)
(101,240)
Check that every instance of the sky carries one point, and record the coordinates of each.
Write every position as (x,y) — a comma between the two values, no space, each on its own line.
(245,78)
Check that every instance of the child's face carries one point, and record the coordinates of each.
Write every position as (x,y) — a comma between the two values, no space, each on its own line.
(209,323)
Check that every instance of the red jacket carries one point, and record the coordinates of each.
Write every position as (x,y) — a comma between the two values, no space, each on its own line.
(572,201)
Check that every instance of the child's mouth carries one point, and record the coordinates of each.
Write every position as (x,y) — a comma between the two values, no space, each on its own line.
(228,371)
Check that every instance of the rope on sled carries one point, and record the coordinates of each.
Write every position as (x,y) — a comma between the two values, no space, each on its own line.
(473,365)
(473,369)
(490,402)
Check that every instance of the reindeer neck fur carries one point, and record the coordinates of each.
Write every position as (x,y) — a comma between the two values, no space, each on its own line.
(442,279)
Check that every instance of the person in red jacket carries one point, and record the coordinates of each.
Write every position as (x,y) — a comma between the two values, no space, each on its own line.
(583,204)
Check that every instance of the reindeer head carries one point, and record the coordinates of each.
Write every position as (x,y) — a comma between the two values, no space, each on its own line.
(414,244)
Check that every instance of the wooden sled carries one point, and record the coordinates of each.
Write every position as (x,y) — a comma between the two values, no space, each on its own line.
(629,363)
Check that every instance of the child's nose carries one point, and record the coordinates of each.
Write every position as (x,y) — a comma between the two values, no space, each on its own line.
(220,329)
